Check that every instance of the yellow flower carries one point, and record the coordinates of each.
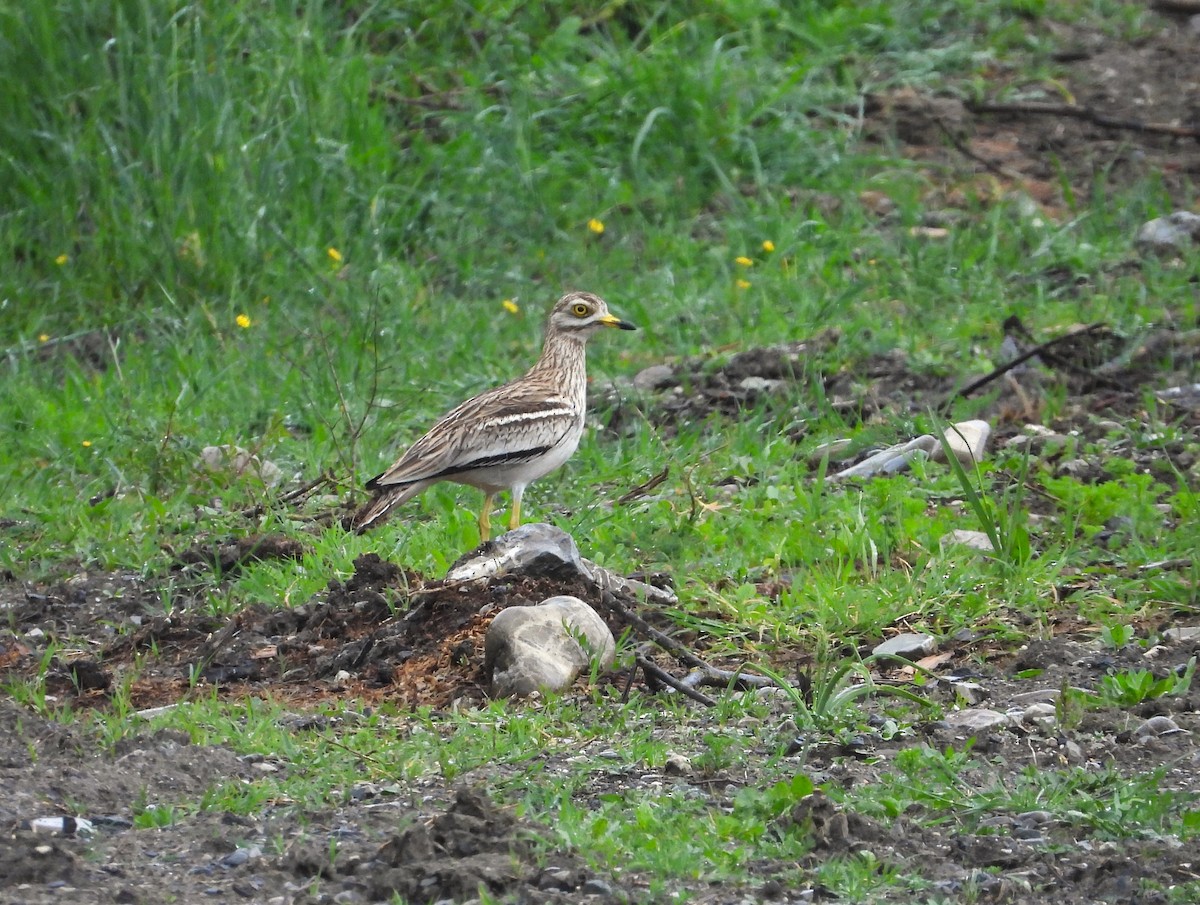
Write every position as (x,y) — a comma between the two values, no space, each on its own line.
(43,337)
(743,260)
(743,284)
(510,306)
(596,226)
(243,321)
(87,442)
(61,260)
(334,255)
(768,246)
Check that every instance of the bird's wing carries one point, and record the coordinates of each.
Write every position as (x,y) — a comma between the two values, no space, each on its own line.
(506,425)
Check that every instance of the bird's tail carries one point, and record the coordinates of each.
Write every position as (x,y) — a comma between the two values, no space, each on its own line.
(379,508)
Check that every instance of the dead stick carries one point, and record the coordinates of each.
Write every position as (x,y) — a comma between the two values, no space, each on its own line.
(666,642)
(724,678)
(653,669)
(1009,365)
(1077,111)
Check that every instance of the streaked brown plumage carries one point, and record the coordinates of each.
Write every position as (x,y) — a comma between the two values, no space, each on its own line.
(508,436)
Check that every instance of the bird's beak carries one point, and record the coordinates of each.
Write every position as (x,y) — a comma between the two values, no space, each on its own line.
(610,320)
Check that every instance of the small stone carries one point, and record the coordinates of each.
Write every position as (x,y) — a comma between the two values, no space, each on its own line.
(1043,715)
(596,887)
(655,377)
(1158,726)
(677,765)
(240,856)
(755,386)
(536,548)
(967,441)
(908,645)
(1169,235)
(1040,696)
(1182,633)
(238,461)
(977,719)
(971,693)
(975,540)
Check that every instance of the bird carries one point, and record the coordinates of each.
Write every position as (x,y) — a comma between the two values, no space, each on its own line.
(508,436)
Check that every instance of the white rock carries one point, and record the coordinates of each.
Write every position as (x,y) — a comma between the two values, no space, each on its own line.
(1157,726)
(977,719)
(967,440)
(976,540)
(239,461)
(677,765)
(655,377)
(971,692)
(545,647)
(909,645)
(1182,633)
(1172,234)
(62,826)
(533,547)
(1044,715)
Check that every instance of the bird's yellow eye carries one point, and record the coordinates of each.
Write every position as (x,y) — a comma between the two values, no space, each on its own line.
(581,310)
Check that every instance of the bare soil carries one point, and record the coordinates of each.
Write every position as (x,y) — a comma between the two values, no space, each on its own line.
(389,634)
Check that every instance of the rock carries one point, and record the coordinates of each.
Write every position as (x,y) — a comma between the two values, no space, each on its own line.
(677,765)
(540,549)
(536,548)
(1182,633)
(1158,726)
(1170,235)
(538,648)
(238,461)
(976,540)
(908,645)
(971,693)
(655,377)
(832,450)
(62,826)
(977,719)
(1042,715)
(966,440)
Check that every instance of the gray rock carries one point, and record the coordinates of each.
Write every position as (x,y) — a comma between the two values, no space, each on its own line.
(977,719)
(1158,726)
(1169,235)
(966,440)
(1043,715)
(545,647)
(541,549)
(971,692)
(655,377)
(677,765)
(909,645)
(962,537)
(537,548)
(1182,633)
(238,461)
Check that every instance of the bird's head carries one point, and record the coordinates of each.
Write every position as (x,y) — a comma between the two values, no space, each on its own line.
(582,314)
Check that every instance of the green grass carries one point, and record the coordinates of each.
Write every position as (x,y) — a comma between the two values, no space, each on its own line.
(364,186)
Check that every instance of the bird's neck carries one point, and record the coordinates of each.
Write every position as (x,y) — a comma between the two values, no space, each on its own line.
(565,356)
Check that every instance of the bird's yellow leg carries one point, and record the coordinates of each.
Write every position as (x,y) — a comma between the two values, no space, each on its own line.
(485,522)
(514,518)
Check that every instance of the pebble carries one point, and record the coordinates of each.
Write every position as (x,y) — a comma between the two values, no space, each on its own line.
(1169,235)
(1043,715)
(1182,633)
(677,765)
(971,692)
(908,645)
(1158,726)
(596,887)
(655,377)
(240,856)
(977,719)
(975,540)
